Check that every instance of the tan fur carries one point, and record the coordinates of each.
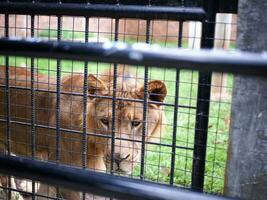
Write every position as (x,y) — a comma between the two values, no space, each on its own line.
(71,117)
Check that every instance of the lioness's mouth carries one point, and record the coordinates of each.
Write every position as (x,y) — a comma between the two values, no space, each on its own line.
(117,169)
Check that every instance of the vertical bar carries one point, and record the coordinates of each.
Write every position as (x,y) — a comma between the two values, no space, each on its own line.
(85,94)
(33,118)
(203,102)
(7,88)
(58,79)
(8,133)
(115,74)
(58,88)
(143,146)
(175,114)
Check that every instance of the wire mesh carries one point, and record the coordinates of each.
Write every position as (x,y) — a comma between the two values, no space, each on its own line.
(165,159)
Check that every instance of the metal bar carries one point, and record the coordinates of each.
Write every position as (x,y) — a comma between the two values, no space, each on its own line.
(175,113)
(7,95)
(58,89)
(145,105)
(32,97)
(33,109)
(58,106)
(114,99)
(195,3)
(94,182)
(104,10)
(141,54)
(203,103)
(7,99)
(85,96)
(225,6)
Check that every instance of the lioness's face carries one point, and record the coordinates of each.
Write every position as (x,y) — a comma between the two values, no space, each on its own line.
(128,131)
(128,123)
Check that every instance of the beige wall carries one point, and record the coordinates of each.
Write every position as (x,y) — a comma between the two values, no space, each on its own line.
(103,27)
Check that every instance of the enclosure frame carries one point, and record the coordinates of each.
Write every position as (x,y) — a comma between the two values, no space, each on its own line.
(205,14)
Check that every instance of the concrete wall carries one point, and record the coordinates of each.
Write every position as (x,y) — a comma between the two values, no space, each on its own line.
(246,174)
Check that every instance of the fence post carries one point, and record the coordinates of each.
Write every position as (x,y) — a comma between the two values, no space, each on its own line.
(246,173)
(203,101)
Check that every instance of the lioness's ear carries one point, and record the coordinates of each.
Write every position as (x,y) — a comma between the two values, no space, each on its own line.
(157,91)
(95,85)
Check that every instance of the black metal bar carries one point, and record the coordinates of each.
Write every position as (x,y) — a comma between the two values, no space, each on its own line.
(196,3)
(203,103)
(58,89)
(114,100)
(140,54)
(7,99)
(175,113)
(134,2)
(225,6)
(112,11)
(85,96)
(94,182)
(7,95)
(33,109)
(58,106)
(32,96)
(144,128)
(175,119)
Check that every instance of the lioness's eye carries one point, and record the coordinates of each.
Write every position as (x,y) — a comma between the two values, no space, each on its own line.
(135,123)
(105,122)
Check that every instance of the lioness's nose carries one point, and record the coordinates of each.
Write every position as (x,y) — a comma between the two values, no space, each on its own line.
(118,158)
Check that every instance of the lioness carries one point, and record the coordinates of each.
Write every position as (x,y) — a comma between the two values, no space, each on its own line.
(128,118)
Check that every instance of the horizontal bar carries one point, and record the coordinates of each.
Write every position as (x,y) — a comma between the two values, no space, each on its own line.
(104,10)
(225,6)
(94,182)
(127,2)
(140,54)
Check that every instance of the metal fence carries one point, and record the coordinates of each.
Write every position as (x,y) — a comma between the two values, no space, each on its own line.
(193,144)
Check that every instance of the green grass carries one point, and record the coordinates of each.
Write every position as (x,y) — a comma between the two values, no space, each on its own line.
(79,35)
(66,34)
(158,158)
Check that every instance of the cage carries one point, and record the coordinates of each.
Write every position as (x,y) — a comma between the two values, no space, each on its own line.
(130,118)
